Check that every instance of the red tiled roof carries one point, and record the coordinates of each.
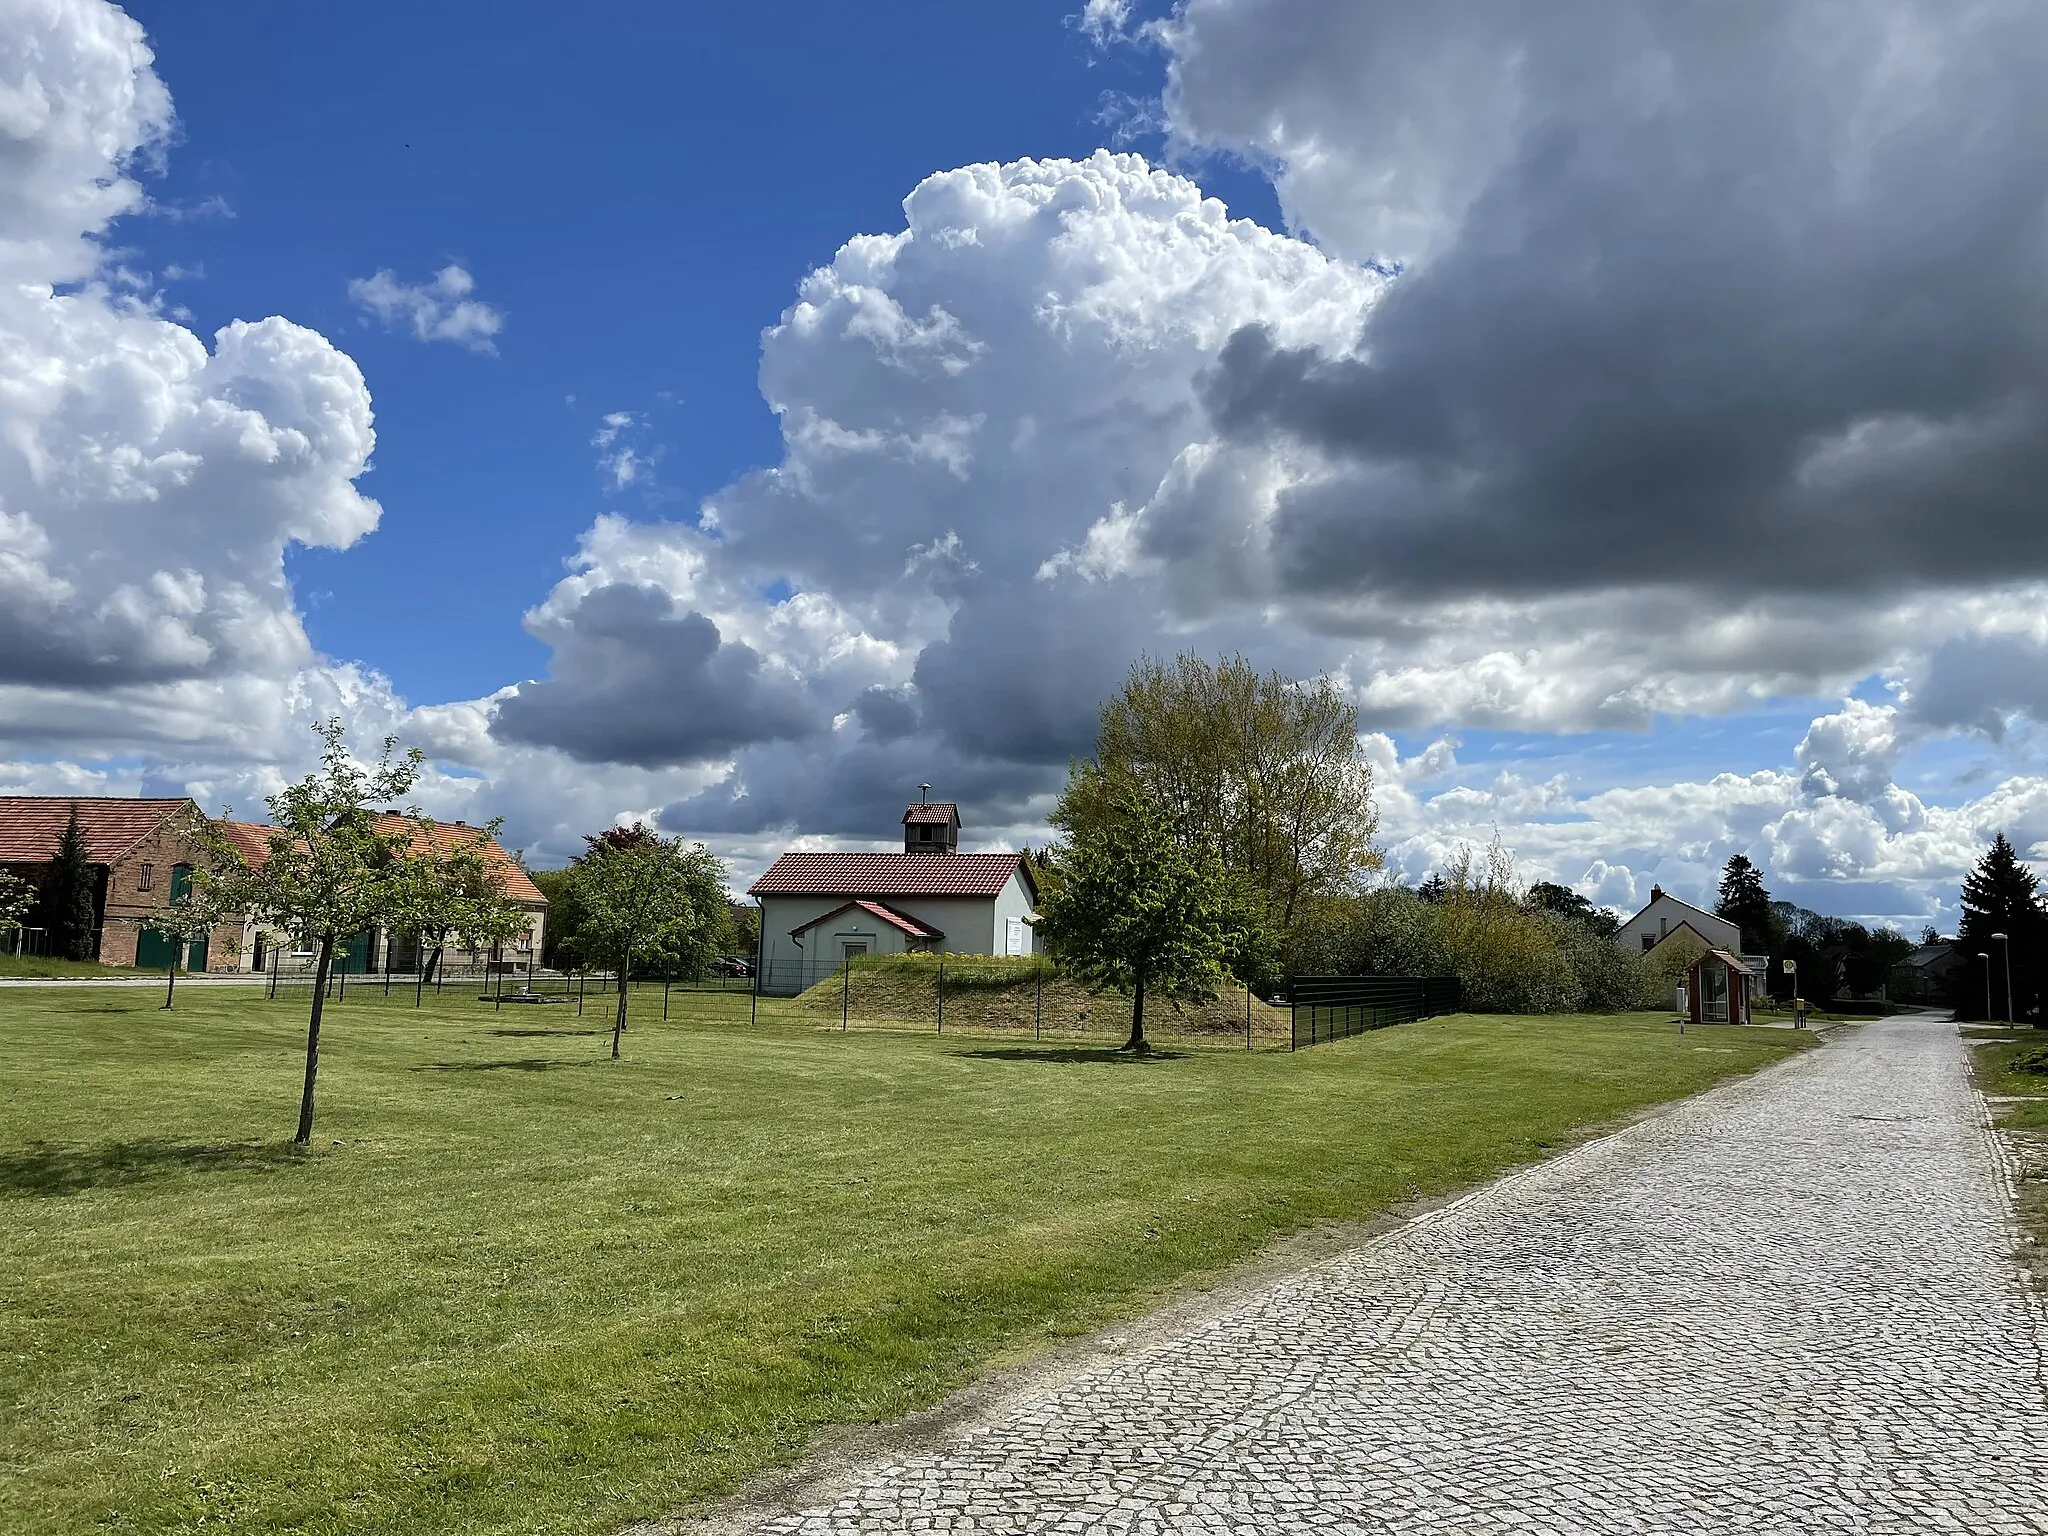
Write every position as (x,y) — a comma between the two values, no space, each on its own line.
(449,834)
(887,914)
(890,874)
(31,824)
(250,840)
(940,811)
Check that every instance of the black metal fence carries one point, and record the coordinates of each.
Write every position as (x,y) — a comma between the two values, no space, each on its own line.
(1329,1008)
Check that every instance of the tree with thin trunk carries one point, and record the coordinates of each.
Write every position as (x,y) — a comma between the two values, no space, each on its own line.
(446,883)
(647,900)
(191,918)
(73,889)
(329,870)
(16,897)
(1128,906)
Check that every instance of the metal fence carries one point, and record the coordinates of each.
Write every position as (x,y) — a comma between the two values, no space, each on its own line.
(503,987)
(1329,1008)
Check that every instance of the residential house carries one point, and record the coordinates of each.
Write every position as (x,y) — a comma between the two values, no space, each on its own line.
(818,909)
(1667,915)
(1925,975)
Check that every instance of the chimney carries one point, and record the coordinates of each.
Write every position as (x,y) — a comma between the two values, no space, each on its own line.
(924,794)
(1656,893)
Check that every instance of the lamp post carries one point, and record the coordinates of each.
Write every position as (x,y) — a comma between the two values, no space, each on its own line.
(2005,949)
(1987,982)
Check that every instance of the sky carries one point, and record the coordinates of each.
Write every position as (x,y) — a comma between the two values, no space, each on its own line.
(735,417)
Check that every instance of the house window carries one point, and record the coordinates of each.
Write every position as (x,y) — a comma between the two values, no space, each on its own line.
(146,881)
(1648,943)
(924,833)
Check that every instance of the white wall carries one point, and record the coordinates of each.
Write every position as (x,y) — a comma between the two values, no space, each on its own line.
(1667,913)
(973,925)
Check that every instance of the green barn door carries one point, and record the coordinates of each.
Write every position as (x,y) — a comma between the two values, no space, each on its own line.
(154,950)
(352,954)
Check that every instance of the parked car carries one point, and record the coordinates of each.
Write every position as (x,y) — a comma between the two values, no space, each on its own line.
(732,965)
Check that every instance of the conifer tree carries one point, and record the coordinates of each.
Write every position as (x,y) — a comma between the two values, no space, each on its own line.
(2001,895)
(73,896)
(1746,904)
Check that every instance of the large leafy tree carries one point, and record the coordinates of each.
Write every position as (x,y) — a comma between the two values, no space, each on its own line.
(1260,769)
(330,869)
(2001,895)
(1131,907)
(647,901)
(1745,903)
(72,895)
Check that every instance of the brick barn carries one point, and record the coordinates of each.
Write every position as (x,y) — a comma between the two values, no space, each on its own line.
(143,853)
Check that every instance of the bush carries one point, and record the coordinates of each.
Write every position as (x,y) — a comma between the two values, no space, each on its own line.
(1510,955)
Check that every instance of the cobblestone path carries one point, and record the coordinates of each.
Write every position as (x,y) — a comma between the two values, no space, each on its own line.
(1789,1305)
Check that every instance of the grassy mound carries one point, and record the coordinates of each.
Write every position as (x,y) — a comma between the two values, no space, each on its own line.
(994,993)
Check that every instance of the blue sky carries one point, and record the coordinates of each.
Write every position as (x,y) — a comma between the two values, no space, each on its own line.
(603,181)
(758,432)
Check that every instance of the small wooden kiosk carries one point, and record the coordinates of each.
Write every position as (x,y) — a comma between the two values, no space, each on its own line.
(1717,989)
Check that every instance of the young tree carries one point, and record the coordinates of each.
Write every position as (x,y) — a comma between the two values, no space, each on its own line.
(445,884)
(1262,770)
(2001,895)
(72,896)
(330,870)
(190,919)
(16,897)
(1131,907)
(647,898)
(1745,903)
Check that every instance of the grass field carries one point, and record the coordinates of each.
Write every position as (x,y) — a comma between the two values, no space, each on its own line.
(43,968)
(2014,1064)
(516,1287)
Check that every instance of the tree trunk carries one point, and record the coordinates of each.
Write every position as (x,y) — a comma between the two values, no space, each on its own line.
(619,1023)
(305,1135)
(1137,1041)
(170,980)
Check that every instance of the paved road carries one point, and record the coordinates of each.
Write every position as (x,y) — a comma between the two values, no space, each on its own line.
(1788,1306)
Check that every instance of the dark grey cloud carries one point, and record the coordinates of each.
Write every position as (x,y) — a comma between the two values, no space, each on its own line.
(1978,682)
(634,680)
(857,790)
(1735,297)
(886,714)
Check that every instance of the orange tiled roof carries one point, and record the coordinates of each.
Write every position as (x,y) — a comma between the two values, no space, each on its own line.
(942,812)
(30,825)
(449,834)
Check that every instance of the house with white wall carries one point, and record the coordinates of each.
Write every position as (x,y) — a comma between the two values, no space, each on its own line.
(817,909)
(1665,915)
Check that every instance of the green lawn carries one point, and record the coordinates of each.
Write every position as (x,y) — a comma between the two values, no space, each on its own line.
(517,1287)
(44,968)
(2015,1065)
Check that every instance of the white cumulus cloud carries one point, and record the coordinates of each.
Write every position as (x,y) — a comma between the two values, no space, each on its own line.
(439,309)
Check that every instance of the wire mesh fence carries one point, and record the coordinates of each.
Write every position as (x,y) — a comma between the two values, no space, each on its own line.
(1326,1008)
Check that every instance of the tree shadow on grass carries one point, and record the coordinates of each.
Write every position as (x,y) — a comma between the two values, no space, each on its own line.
(536,1034)
(522,1064)
(1075,1054)
(43,1169)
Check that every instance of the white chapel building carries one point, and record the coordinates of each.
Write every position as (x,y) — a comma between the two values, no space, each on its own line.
(819,908)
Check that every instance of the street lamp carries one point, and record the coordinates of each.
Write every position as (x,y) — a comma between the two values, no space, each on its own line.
(2005,949)
(1987,982)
